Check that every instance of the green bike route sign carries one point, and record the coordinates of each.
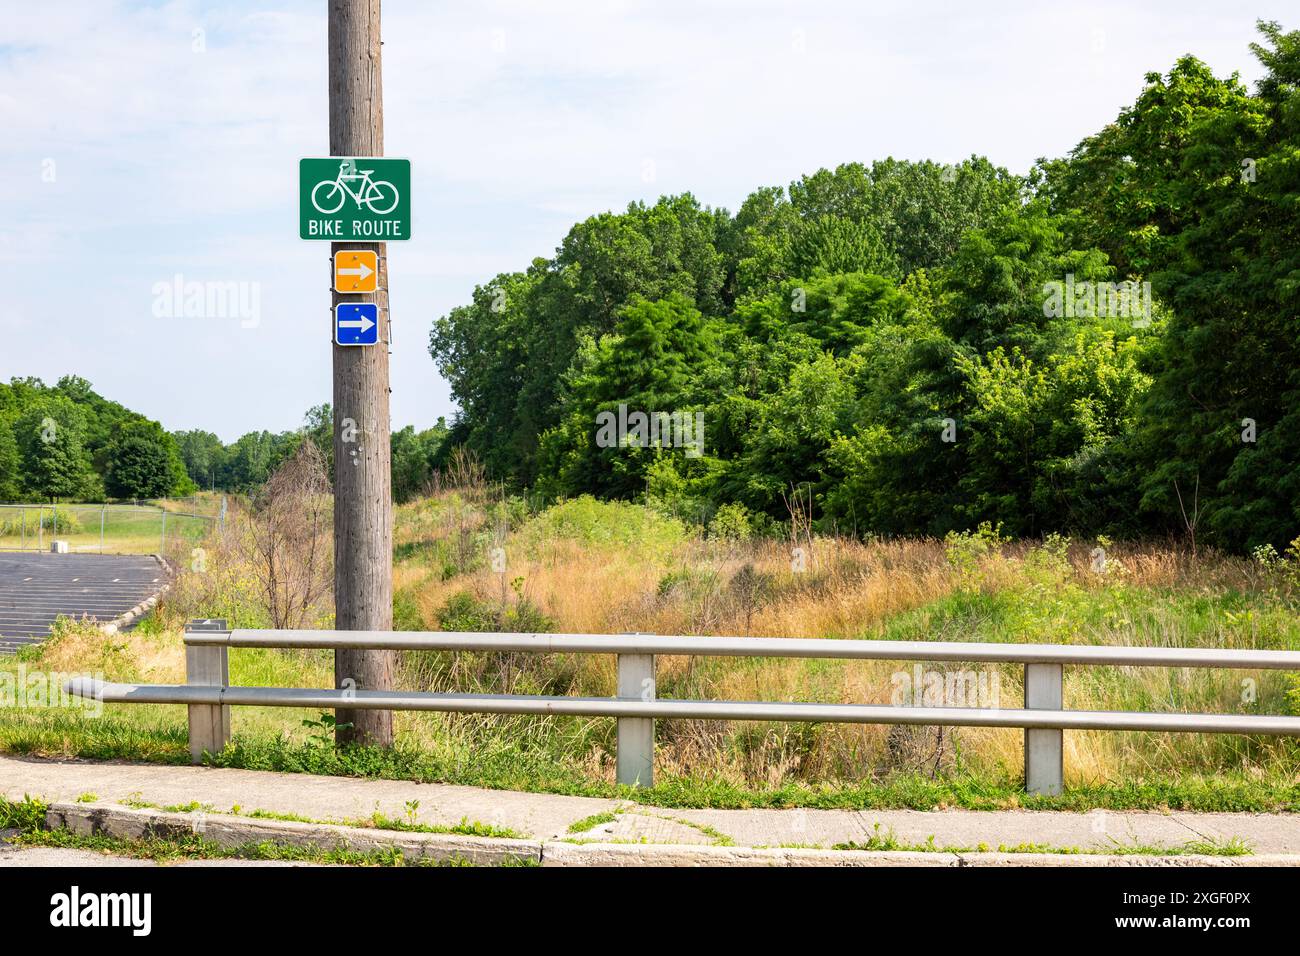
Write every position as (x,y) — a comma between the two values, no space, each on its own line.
(354,199)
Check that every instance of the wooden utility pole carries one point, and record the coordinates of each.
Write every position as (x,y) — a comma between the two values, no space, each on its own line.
(363,500)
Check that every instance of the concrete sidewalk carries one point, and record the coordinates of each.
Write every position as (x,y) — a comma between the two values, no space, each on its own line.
(343,800)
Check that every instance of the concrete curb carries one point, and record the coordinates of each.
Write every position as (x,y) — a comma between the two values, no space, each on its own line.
(143,608)
(227,830)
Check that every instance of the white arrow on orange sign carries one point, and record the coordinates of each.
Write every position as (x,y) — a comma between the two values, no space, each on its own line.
(356,270)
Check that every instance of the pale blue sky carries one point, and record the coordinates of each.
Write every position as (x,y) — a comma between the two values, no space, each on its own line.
(519,118)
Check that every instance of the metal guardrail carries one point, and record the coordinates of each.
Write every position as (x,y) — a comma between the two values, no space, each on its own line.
(209,696)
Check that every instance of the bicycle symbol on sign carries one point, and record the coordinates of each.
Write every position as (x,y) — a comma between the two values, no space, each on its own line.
(379,195)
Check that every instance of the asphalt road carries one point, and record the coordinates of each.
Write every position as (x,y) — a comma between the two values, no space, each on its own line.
(35,588)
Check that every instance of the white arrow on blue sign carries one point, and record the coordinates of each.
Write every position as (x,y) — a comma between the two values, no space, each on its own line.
(356,323)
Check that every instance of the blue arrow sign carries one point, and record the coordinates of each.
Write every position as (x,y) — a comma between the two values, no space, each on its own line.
(356,323)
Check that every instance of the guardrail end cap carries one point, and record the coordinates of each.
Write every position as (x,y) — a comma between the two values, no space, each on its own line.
(83,686)
(207,624)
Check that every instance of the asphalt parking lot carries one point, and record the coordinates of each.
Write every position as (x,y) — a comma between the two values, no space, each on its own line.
(36,588)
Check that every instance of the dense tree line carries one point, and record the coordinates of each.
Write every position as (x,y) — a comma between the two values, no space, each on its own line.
(66,442)
(1107,344)
(245,464)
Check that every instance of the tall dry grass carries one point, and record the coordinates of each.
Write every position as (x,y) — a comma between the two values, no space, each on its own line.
(1144,594)
(466,558)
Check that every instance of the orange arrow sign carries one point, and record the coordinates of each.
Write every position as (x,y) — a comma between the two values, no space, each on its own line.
(356,270)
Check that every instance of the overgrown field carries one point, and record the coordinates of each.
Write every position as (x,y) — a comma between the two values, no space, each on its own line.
(589,566)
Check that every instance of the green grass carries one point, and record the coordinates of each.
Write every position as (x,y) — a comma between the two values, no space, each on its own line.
(595,523)
(49,732)
(820,766)
(23,815)
(886,841)
(1068,613)
(537,773)
(541,770)
(127,529)
(1234,846)
(587,824)
(881,841)
(466,827)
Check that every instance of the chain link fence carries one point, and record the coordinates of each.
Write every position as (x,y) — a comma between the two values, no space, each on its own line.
(160,527)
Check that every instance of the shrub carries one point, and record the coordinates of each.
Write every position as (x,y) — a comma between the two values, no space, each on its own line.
(289,541)
(966,550)
(618,524)
(406,613)
(61,521)
(731,523)
(65,522)
(464,612)
(1049,563)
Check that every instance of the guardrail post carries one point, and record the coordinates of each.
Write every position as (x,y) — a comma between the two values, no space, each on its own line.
(1044,761)
(208,666)
(636,735)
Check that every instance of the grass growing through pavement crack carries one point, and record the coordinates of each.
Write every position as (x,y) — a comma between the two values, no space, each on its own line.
(717,836)
(587,824)
(466,827)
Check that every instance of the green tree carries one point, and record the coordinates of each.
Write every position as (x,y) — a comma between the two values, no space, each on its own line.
(253,457)
(892,218)
(1195,186)
(54,461)
(831,245)
(506,354)
(10,475)
(835,310)
(318,425)
(141,463)
(202,454)
(1121,190)
(103,418)
(1039,437)
(997,284)
(894,471)
(413,455)
(654,363)
(887,334)
(793,429)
